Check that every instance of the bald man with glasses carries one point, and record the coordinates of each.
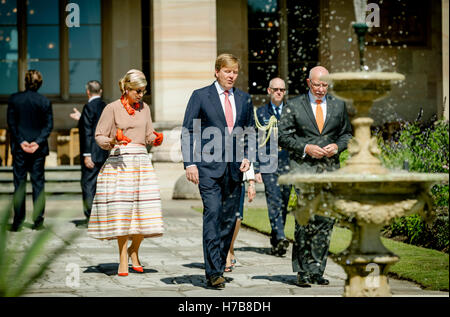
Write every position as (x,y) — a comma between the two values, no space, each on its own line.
(277,196)
(315,129)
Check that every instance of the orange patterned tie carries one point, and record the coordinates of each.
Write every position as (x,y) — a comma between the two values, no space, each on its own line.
(319,115)
(228,112)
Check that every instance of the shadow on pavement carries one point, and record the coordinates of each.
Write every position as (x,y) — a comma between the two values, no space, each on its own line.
(286,279)
(195,265)
(194,280)
(80,223)
(110,269)
(254,249)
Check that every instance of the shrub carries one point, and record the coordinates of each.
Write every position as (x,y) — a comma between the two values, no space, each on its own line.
(421,147)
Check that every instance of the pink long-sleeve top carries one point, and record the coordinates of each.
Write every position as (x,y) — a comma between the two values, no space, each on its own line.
(139,127)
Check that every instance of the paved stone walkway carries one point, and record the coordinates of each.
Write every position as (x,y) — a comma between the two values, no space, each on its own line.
(173,263)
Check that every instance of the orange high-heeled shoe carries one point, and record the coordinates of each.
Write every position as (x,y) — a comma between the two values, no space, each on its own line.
(138,269)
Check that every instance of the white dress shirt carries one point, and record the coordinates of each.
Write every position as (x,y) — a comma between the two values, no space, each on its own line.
(221,92)
(313,104)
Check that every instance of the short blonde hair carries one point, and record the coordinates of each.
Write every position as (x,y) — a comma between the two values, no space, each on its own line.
(133,79)
(226,60)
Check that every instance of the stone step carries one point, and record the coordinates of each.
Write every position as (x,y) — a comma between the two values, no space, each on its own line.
(51,175)
(58,180)
(50,188)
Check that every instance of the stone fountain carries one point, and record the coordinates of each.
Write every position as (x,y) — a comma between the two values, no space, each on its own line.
(363,196)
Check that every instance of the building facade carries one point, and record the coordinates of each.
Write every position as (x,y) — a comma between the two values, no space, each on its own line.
(175,43)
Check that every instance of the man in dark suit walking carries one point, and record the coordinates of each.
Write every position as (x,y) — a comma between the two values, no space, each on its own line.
(215,118)
(268,170)
(30,120)
(92,156)
(315,129)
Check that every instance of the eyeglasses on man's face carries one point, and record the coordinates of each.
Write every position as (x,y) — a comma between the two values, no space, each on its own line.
(278,89)
(318,85)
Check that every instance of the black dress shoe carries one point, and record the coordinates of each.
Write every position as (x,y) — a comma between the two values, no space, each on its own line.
(216,282)
(319,280)
(303,281)
(38,226)
(280,248)
(14,228)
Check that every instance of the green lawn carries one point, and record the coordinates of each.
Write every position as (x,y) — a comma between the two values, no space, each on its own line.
(427,267)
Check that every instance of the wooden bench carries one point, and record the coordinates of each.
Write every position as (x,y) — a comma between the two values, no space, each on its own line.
(68,148)
(5,148)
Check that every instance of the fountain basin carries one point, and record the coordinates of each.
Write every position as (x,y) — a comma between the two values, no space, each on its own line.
(364,203)
(363,88)
(367,198)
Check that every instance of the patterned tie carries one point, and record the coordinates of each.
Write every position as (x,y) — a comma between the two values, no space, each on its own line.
(228,112)
(319,115)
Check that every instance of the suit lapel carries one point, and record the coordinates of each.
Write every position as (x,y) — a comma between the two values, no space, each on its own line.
(270,110)
(330,109)
(216,104)
(238,102)
(307,106)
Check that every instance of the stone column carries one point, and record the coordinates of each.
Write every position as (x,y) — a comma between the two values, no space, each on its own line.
(184,52)
(121,43)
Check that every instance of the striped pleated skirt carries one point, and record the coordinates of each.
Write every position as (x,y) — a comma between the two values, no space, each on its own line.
(127,200)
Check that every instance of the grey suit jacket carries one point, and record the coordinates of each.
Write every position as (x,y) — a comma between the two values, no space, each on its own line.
(298,127)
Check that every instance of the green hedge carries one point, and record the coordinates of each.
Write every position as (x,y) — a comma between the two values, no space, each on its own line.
(421,148)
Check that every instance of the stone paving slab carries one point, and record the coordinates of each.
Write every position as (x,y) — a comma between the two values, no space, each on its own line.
(174,263)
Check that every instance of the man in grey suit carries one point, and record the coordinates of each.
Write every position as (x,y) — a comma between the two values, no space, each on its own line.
(315,129)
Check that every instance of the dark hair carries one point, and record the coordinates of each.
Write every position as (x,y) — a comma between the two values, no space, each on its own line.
(94,87)
(33,80)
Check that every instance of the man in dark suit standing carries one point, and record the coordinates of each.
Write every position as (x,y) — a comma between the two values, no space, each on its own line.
(92,156)
(215,119)
(268,170)
(315,129)
(30,120)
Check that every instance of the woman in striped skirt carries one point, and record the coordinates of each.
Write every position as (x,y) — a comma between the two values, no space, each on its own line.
(127,204)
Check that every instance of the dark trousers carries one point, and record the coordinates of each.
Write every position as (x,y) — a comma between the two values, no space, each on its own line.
(89,186)
(310,250)
(277,198)
(24,163)
(220,198)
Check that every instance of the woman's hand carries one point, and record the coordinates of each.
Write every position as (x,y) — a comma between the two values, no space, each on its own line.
(159,138)
(122,138)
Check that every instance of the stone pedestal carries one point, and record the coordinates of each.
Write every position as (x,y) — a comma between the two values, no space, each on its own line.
(366,276)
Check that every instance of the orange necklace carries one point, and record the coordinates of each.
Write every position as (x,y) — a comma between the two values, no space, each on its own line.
(130,109)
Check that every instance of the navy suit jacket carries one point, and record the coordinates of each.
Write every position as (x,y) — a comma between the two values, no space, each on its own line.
(30,118)
(298,128)
(211,153)
(264,113)
(86,126)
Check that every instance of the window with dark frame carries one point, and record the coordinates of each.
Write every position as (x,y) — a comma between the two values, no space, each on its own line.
(408,23)
(146,45)
(283,41)
(34,35)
